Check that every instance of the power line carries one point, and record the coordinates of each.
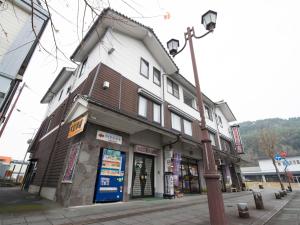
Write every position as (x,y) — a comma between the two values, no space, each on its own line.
(17,48)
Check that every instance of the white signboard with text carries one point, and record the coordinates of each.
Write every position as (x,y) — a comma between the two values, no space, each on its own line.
(105,136)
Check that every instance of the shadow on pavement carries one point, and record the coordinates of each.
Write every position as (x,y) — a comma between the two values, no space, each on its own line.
(13,200)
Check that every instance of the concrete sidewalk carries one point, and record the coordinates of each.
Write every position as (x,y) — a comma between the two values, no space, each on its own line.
(188,210)
(289,214)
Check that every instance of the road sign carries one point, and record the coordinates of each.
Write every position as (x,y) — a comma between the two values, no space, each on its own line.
(283,154)
(277,157)
(286,163)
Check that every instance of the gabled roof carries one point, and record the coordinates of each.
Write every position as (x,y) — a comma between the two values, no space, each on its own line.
(58,83)
(117,21)
(223,106)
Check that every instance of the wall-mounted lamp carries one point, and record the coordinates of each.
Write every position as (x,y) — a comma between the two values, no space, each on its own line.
(105,85)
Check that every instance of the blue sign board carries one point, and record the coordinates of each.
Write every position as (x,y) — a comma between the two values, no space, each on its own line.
(286,163)
(277,157)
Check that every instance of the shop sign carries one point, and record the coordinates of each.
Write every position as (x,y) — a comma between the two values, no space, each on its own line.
(77,126)
(108,137)
(71,163)
(283,154)
(146,150)
(237,140)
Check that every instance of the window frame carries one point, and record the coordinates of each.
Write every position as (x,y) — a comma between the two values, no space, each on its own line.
(158,71)
(172,85)
(154,103)
(220,122)
(145,117)
(60,95)
(147,63)
(83,66)
(209,112)
(183,120)
(180,122)
(211,134)
(185,93)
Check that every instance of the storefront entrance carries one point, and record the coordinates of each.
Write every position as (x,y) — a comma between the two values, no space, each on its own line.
(188,181)
(143,176)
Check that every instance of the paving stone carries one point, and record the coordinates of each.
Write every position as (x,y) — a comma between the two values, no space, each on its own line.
(35,218)
(60,221)
(13,221)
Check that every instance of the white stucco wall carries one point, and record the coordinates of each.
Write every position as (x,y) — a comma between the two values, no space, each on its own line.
(225,128)
(266,165)
(126,60)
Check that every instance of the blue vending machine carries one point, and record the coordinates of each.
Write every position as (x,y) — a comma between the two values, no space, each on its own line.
(110,176)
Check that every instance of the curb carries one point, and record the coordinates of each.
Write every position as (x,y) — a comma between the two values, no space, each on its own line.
(274,212)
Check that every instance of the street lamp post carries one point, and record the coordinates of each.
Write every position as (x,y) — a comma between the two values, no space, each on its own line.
(214,195)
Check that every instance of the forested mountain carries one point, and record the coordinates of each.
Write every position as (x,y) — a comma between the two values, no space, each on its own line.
(287,131)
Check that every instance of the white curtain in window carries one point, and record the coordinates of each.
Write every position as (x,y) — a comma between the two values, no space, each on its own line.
(156,113)
(176,123)
(144,68)
(212,138)
(187,127)
(142,106)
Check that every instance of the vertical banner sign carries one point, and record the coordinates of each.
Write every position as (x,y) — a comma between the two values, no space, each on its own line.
(71,163)
(237,140)
(176,167)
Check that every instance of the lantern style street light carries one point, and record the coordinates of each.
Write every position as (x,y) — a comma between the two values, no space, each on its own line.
(214,195)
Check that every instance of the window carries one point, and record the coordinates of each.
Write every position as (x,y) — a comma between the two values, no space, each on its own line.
(172,88)
(2,95)
(144,68)
(142,106)
(156,113)
(220,121)
(298,161)
(208,113)
(156,76)
(69,89)
(226,145)
(212,137)
(187,126)
(49,124)
(83,67)
(176,122)
(189,99)
(61,92)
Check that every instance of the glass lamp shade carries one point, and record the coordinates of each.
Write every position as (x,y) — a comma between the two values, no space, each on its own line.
(173,45)
(209,20)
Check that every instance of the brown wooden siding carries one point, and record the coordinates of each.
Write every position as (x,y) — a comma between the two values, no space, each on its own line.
(110,96)
(129,97)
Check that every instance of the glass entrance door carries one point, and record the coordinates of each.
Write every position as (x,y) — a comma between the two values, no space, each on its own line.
(143,176)
(189,176)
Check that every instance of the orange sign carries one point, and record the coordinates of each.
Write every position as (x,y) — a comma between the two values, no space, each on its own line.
(77,126)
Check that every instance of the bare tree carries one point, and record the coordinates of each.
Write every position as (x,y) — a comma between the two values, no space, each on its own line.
(267,142)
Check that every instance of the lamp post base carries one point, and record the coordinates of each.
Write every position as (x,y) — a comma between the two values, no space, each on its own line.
(215,199)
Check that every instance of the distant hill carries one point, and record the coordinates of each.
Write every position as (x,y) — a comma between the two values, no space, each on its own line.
(287,130)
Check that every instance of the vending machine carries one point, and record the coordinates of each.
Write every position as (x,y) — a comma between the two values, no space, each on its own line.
(110,176)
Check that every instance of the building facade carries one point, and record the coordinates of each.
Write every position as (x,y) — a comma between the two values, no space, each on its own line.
(17,44)
(125,117)
(265,171)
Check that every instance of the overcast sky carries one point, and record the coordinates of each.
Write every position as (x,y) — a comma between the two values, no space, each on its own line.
(251,60)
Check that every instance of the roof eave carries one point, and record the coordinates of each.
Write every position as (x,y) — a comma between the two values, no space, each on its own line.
(67,71)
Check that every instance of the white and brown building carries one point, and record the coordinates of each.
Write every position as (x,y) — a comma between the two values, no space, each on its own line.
(127,88)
